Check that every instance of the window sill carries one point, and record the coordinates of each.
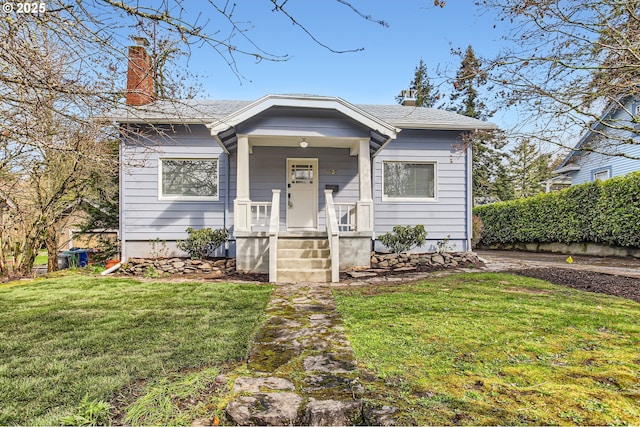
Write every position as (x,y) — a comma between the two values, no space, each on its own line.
(188,198)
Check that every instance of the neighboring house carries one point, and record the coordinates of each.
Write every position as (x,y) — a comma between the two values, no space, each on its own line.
(304,183)
(583,165)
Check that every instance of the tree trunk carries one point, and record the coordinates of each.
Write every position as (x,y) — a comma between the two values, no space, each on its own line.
(51,244)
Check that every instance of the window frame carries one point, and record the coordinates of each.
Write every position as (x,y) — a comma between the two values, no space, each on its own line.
(386,198)
(599,171)
(186,198)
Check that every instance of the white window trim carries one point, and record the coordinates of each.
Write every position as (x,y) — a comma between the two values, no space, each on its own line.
(386,198)
(189,198)
(601,170)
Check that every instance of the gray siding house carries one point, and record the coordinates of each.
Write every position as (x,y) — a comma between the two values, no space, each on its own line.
(304,184)
(582,165)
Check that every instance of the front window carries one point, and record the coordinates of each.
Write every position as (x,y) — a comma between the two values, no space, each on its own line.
(409,180)
(189,179)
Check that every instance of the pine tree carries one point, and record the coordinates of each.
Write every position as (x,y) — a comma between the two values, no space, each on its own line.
(468,81)
(486,145)
(528,167)
(426,92)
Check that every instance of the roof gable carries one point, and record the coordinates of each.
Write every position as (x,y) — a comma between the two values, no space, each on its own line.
(314,102)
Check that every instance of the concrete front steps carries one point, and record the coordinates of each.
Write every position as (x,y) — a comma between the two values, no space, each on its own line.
(303,259)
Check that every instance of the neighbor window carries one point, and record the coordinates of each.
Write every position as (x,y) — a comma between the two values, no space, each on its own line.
(408,180)
(189,179)
(602,175)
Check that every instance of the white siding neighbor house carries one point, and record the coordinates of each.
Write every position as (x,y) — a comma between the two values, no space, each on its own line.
(593,157)
(303,183)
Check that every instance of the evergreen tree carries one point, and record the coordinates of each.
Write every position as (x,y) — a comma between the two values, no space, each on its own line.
(426,92)
(468,81)
(528,167)
(486,145)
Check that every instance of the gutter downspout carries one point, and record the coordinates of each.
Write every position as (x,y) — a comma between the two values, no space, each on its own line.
(469,215)
(121,234)
(373,186)
(226,203)
(112,269)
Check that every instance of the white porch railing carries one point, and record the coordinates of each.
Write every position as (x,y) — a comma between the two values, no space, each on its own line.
(260,212)
(346,216)
(333,234)
(274,226)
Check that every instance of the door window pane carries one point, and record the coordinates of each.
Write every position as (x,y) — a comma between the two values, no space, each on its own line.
(302,174)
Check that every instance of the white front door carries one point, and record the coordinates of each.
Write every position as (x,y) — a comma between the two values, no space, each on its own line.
(302,194)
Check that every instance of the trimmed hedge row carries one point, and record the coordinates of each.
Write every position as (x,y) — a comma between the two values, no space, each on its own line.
(603,212)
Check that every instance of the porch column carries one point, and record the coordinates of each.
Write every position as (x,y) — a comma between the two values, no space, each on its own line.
(364,206)
(242,202)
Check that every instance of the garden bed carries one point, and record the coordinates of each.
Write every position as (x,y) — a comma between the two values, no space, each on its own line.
(589,281)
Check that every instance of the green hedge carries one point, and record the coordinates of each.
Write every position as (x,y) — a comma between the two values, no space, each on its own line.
(606,212)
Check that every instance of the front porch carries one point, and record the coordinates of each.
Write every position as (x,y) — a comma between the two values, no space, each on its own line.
(303,184)
(302,233)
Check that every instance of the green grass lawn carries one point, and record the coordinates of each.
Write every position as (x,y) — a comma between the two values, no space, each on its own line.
(488,349)
(42,258)
(68,344)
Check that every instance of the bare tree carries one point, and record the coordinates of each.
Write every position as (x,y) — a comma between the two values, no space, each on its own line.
(570,61)
(49,144)
(61,66)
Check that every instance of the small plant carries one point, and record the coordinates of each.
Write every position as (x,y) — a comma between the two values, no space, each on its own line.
(404,238)
(90,413)
(151,273)
(202,243)
(443,245)
(159,248)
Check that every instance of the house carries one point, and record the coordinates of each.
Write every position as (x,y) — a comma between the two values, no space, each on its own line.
(304,183)
(597,157)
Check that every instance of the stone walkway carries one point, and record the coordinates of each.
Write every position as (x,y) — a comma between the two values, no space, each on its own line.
(303,368)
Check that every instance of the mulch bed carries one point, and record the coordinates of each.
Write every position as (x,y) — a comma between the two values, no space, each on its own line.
(625,287)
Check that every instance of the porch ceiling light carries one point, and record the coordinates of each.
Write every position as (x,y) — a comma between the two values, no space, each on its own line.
(304,143)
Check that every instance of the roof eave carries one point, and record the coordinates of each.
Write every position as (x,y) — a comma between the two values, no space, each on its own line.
(446,126)
(565,169)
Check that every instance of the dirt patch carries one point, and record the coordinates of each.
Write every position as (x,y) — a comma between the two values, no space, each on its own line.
(589,281)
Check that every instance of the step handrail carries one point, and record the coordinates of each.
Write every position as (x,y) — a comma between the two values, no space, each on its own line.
(274,227)
(333,234)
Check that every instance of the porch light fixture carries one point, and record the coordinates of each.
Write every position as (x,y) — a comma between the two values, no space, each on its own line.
(304,143)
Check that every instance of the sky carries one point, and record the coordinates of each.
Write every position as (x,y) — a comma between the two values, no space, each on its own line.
(376,75)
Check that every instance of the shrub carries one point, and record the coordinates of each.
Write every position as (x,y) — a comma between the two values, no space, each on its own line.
(600,212)
(477,229)
(202,243)
(404,238)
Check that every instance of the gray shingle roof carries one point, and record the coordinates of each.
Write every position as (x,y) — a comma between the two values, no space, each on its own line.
(207,111)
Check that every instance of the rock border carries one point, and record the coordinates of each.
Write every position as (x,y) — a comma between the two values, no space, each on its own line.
(209,268)
(381,264)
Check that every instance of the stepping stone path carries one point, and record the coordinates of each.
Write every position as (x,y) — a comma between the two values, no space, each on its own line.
(303,368)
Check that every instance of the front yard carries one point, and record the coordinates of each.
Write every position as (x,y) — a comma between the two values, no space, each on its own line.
(488,349)
(462,349)
(68,338)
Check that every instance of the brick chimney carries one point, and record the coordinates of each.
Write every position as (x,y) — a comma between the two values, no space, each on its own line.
(408,98)
(139,74)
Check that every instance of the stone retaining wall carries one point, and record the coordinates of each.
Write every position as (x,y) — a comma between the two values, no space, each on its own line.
(585,248)
(212,267)
(443,259)
(219,267)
